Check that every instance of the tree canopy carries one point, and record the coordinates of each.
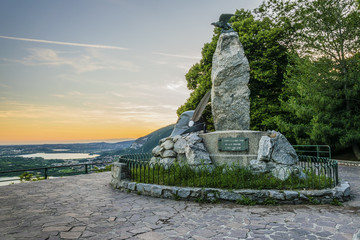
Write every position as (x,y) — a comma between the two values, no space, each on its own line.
(304,70)
(267,59)
(321,91)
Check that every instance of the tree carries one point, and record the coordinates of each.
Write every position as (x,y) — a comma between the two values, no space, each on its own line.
(267,58)
(326,68)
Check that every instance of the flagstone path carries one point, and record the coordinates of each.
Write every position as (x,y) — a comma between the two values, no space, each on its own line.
(86,207)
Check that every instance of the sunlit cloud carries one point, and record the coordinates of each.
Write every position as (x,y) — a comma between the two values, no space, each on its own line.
(177,55)
(4,86)
(176,85)
(184,66)
(79,96)
(116,94)
(92,112)
(59,95)
(86,62)
(65,43)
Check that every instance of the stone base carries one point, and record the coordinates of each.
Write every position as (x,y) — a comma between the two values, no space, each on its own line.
(242,158)
(325,196)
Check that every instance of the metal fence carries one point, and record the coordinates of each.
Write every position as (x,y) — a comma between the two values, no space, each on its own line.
(313,150)
(313,173)
(53,171)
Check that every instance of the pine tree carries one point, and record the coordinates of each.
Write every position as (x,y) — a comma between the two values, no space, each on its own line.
(323,80)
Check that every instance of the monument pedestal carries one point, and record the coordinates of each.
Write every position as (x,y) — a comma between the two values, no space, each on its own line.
(233,146)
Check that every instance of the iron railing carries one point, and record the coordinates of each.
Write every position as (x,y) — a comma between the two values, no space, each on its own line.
(54,171)
(313,173)
(313,150)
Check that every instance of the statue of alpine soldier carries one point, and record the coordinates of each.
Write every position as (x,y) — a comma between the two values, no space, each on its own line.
(233,142)
(184,143)
(192,121)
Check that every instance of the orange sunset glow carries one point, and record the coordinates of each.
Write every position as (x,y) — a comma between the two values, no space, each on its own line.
(90,70)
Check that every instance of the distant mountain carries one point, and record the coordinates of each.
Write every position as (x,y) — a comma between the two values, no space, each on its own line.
(141,145)
(95,147)
(147,143)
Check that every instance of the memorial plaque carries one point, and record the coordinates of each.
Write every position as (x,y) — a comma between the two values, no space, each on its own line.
(233,144)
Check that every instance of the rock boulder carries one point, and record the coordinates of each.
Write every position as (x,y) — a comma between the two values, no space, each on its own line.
(230,77)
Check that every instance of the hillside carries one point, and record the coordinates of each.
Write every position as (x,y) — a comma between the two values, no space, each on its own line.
(146,143)
(95,147)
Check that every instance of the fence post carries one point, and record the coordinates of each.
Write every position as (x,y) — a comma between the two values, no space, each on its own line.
(45,173)
(86,169)
(120,171)
(317,152)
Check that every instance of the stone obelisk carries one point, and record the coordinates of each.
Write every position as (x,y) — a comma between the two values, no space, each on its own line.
(230,92)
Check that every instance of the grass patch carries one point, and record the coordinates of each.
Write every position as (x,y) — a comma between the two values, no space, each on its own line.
(246,201)
(336,202)
(225,177)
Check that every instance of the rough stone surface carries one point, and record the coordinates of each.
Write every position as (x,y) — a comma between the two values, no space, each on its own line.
(356,235)
(119,171)
(211,142)
(168,153)
(277,148)
(168,144)
(277,156)
(157,151)
(179,146)
(167,161)
(230,93)
(188,148)
(266,147)
(283,151)
(154,160)
(87,204)
(283,172)
(193,138)
(197,154)
(324,196)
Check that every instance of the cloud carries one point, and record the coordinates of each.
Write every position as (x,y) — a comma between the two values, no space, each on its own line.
(85,62)
(176,85)
(92,112)
(65,43)
(177,55)
(76,95)
(4,86)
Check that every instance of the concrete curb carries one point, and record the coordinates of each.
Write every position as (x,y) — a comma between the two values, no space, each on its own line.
(348,163)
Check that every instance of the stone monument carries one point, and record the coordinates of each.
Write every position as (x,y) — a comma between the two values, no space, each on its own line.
(230,94)
(232,142)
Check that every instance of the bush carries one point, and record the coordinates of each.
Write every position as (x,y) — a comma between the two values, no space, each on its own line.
(26,176)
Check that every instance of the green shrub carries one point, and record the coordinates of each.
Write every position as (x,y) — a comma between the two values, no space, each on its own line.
(107,168)
(225,177)
(26,176)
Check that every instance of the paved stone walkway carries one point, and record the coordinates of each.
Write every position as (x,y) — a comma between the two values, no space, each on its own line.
(86,207)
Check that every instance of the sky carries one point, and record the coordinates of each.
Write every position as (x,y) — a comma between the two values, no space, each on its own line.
(86,70)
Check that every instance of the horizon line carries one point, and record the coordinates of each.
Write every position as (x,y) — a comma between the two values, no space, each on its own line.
(39,142)
(64,43)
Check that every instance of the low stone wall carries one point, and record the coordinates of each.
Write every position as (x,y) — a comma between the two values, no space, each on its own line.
(340,193)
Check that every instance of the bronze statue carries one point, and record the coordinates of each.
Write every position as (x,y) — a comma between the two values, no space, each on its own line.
(223,22)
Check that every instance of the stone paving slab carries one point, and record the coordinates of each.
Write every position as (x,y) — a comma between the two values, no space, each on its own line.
(86,207)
